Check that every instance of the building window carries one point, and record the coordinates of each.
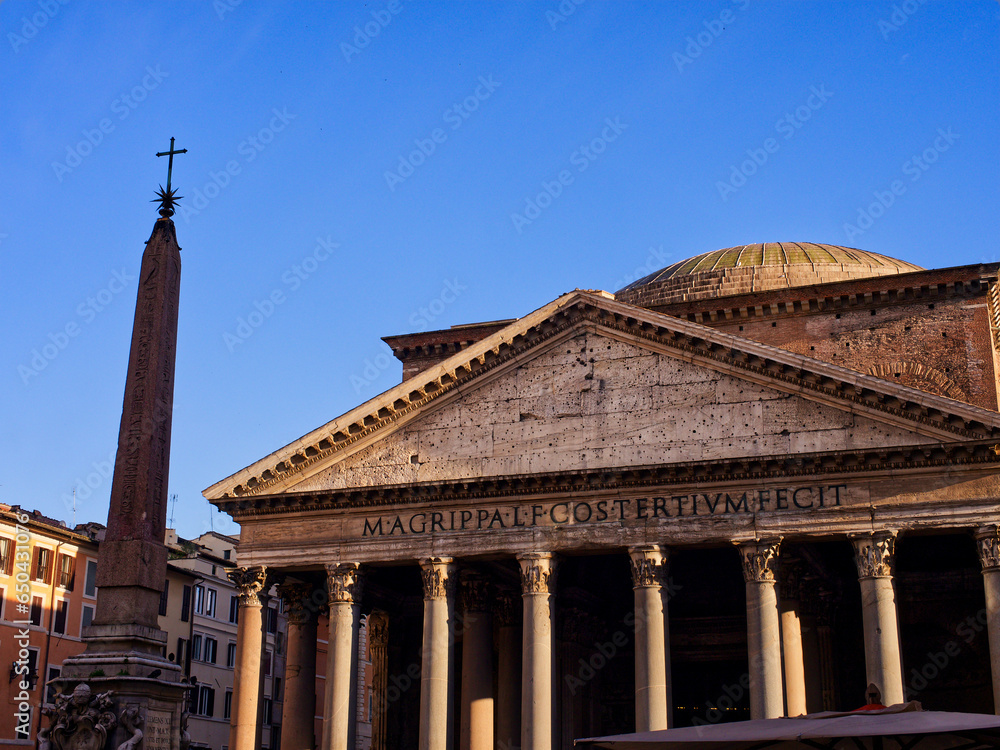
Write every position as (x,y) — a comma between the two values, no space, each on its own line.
(36,610)
(205,705)
(199,600)
(163,598)
(186,604)
(50,690)
(210,597)
(86,617)
(234,608)
(231,655)
(272,620)
(267,712)
(267,663)
(6,555)
(196,647)
(90,579)
(227,554)
(67,571)
(276,690)
(3,598)
(23,731)
(32,675)
(211,646)
(227,706)
(43,565)
(62,609)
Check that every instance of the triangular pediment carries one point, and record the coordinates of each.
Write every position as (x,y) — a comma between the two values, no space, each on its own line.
(587,383)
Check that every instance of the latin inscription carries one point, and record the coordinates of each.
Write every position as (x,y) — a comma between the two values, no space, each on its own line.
(156,731)
(608,511)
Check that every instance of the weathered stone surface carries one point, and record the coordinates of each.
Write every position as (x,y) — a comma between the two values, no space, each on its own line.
(631,408)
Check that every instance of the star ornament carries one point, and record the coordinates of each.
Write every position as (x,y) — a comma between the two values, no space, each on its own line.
(168,201)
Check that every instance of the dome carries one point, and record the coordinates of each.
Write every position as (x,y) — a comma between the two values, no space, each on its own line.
(757,268)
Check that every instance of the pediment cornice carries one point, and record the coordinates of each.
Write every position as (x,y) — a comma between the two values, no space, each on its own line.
(926,414)
(897,461)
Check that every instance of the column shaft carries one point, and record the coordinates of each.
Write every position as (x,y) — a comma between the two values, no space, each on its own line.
(244,729)
(763,630)
(790,609)
(988,541)
(874,558)
(299,706)
(435,719)
(477,666)
(653,703)
(791,647)
(537,652)
(339,709)
(508,714)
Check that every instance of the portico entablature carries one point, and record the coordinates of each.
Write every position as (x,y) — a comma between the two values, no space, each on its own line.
(459,522)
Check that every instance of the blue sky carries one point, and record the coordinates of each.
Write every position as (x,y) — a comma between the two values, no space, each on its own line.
(387,167)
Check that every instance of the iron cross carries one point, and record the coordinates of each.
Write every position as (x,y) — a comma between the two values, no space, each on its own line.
(170,161)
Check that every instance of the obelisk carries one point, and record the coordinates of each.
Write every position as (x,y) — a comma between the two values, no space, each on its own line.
(124,646)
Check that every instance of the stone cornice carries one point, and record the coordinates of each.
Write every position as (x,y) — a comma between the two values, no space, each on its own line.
(927,414)
(837,296)
(944,456)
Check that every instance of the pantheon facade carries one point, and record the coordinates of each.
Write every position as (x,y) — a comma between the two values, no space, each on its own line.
(759,482)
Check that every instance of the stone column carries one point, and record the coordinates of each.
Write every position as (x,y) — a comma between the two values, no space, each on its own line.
(477,664)
(299,706)
(653,702)
(791,640)
(537,582)
(873,554)
(244,729)
(508,706)
(435,717)
(824,634)
(760,562)
(345,587)
(378,642)
(988,541)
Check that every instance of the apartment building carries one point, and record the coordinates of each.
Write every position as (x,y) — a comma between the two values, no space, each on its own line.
(198,611)
(48,594)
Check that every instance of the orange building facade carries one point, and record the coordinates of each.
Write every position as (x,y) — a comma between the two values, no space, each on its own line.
(48,593)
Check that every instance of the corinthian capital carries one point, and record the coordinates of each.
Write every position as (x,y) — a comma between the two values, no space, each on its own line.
(298,599)
(438,575)
(649,565)
(874,554)
(988,542)
(250,582)
(344,582)
(537,569)
(477,592)
(506,607)
(760,561)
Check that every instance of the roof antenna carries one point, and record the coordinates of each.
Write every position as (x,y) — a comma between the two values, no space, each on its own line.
(173,504)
